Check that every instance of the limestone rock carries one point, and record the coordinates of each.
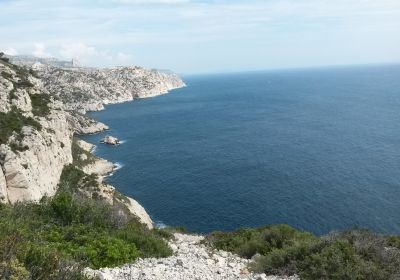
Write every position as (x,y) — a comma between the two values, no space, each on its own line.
(88,147)
(110,140)
(136,209)
(89,89)
(100,167)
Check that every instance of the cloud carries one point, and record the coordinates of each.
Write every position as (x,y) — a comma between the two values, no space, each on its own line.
(123,57)
(189,34)
(77,50)
(40,50)
(89,55)
(10,51)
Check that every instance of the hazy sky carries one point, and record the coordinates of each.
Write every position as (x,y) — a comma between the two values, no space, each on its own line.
(191,36)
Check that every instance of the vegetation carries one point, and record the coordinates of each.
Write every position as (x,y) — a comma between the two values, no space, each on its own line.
(75,180)
(12,122)
(40,104)
(282,250)
(80,156)
(56,238)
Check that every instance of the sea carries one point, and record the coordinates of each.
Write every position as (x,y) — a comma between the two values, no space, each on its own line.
(318,149)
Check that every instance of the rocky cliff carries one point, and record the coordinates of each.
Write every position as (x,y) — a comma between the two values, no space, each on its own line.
(85,89)
(35,137)
(89,89)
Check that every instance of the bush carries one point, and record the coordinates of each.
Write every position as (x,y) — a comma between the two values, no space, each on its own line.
(70,179)
(40,104)
(248,242)
(56,238)
(394,241)
(282,250)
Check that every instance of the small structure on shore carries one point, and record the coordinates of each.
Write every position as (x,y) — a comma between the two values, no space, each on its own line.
(110,140)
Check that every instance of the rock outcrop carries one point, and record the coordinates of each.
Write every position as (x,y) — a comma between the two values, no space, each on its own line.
(110,140)
(96,165)
(35,172)
(84,125)
(192,261)
(135,208)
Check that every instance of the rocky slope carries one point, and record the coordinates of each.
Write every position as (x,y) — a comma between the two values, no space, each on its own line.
(191,261)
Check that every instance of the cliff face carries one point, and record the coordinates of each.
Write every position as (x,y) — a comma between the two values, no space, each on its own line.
(35,141)
(87,89)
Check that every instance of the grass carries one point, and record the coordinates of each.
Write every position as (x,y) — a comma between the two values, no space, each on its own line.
(282,250)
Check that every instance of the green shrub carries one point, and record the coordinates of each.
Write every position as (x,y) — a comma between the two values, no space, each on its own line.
(149,244)
(93,247)
(248,242)
(64,208)
(338,260)
(282,250)
(394,241)
(40,104)
(70,178)
(59,236)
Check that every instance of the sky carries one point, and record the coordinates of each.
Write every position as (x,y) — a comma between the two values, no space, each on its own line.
(204,36)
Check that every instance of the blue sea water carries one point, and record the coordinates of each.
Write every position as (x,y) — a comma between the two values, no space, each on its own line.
(317,149)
